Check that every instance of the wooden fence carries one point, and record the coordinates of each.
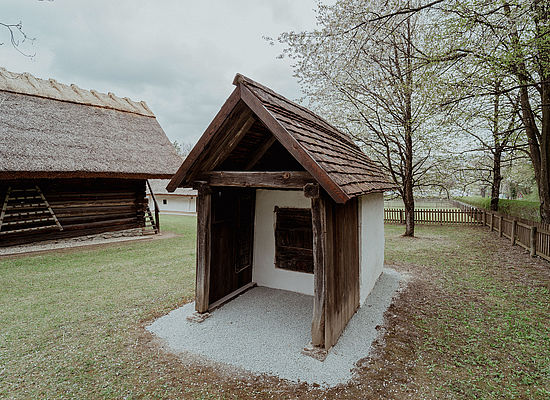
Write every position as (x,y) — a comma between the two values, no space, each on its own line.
(532,236)
(435,216)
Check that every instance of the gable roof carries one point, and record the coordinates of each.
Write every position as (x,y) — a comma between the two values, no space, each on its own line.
(329,155)
(48,129)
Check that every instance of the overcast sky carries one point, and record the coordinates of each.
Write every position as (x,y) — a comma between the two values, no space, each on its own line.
(179,56)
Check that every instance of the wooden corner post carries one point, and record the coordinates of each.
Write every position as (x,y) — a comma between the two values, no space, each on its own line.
(318,218)
(533,241)
(204,209)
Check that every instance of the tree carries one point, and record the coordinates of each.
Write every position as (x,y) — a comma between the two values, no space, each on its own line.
(512,37)
(369,77)
(182,148)
(492,124)
(17,36)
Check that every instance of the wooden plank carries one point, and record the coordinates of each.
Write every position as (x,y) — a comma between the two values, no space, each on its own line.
(48,207)
(533,241)
(292,145)
(4,207)
(232,142)
(204,209)
(274,180)
(318,217)
(342,268)
(231,296)
(206,137)
(260,153)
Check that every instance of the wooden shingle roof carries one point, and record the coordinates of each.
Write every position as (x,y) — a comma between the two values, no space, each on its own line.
(329,155)
(334,151)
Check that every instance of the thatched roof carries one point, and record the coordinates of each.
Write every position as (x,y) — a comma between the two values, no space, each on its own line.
(48,129)
(329,155)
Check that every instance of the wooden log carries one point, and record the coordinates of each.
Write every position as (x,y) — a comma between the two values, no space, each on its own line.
(204,207)
(311,191)
(318,217)
(273,180)
(260,153)
(533,241)
(513,234)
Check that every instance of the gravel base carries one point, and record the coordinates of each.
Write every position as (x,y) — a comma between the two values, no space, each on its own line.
(264,331)
(64,244)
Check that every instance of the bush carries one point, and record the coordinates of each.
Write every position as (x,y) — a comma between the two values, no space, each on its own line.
(517,208)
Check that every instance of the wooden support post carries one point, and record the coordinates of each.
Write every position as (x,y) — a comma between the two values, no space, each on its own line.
(500,225)
(400,216)
(318,218)
(484,218)
(491,222)
(533,241)
(513,234)
(204,209)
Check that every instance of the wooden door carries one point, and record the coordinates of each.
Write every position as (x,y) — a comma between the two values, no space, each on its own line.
(232,238)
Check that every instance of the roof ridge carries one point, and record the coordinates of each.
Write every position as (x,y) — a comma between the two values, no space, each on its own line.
(25,83)
(240,78)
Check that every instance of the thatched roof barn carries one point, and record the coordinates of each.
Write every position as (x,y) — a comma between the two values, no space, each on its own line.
(72,145)
(287,201)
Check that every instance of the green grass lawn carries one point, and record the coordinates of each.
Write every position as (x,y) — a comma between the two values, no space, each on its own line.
(68,319)
(472,323)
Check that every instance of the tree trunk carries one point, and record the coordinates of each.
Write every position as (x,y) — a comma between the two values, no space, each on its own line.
(408,201)
(539,146)
(497,178)
(408,197)
(544,182)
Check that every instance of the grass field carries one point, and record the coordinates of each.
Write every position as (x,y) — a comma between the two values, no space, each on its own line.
(472,323)
(518,208)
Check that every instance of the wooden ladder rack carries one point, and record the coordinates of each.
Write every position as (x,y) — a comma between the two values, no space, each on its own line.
(21,212)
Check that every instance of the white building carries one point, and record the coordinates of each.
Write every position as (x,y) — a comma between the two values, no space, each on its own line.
(180,202)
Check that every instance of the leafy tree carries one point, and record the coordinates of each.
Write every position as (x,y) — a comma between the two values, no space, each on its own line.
(370,76)
(510,38)
(182,148)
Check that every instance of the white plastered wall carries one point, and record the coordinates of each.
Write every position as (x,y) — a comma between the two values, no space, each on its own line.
(264,272)
(371,234)
(175,204)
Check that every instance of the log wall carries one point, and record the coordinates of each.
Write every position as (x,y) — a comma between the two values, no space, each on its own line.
(81,206)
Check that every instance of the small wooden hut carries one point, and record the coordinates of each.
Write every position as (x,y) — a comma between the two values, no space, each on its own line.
(75,162)
(285,200)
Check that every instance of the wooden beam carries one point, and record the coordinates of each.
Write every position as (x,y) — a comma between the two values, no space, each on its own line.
(260,153)
(204,140)
(231,296)
(318,218)
(204,207)
(311,190)
(231,143)
(292,145)
(259,179)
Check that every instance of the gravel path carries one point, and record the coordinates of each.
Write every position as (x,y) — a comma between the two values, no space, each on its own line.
(264,331)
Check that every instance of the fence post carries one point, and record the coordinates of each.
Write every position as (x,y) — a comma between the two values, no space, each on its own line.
(500,226)
(491,223)
(513,234)
(533,241)
(484,218)
(400,216)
